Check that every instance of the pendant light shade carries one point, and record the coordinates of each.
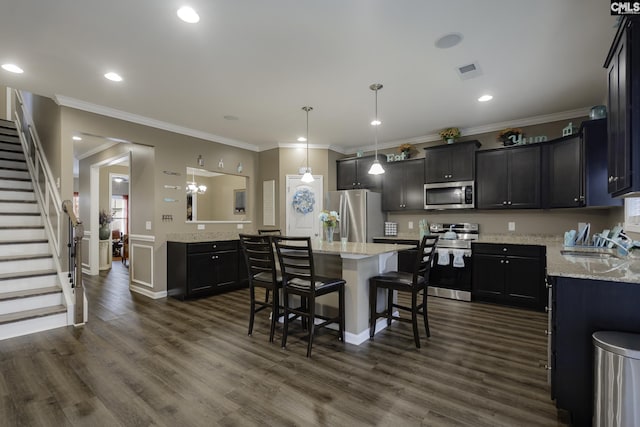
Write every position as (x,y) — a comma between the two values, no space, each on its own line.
(307,177)
(376,168)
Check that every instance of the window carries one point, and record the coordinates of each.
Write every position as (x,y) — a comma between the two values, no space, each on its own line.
(119,208)
(632,214)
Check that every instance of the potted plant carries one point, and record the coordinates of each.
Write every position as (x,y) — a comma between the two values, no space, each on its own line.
(510,136)
(104,219)
(330,220)
(450,134)
(406,149)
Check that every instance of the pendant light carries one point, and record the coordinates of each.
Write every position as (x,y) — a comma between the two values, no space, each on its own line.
(307,177)
(376,167)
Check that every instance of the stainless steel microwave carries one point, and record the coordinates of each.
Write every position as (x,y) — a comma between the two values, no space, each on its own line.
(449,195)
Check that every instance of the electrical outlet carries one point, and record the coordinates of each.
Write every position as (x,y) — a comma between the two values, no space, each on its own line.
(512,226)
(147,225)
(410,225)
(200,226)
(240,226)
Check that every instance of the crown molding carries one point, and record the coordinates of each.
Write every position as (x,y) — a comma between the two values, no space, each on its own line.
(66,101)
(492,127)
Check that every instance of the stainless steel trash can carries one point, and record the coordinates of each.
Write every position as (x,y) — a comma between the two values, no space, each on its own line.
(616,398)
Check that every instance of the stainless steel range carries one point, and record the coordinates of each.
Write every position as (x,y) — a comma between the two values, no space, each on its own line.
(450,275)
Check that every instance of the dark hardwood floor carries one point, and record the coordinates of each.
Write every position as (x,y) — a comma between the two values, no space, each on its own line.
(172,363)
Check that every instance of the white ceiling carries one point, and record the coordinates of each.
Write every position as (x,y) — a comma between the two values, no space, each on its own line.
(261,61)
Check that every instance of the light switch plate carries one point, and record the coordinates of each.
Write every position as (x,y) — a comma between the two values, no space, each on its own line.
(200,226)
(410,225)
(512,226)
(147,225)
(240,226)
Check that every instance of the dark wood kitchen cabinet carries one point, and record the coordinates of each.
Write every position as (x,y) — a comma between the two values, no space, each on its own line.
(509,178)
(353,173)
(450,163)
(203,268)
(623,76)
(579,308)
(509,274)
(575,169)
(403,187)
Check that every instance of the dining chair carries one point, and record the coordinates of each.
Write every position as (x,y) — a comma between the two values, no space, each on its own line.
(261,266)
(299,278)
(269,231)
(413,283)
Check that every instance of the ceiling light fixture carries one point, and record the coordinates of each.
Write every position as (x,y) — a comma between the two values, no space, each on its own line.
(114,77)
(485,98)
(188,15)
(307,177)
(193,187)
(12,68)
(376,167)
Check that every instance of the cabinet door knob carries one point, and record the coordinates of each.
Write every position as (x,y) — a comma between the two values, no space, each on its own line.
(506,261)
(615,178)
(214,257)
(547,309)
(504,249)
(545,366)
(504,203)
(509,202)
(547,332)
(501,261)
(575,199)
(611,178)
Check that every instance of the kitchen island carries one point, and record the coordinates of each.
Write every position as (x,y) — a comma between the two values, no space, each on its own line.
(356,263)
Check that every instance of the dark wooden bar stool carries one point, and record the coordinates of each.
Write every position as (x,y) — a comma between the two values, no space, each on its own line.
(299,278)
(401,281)
(261,265)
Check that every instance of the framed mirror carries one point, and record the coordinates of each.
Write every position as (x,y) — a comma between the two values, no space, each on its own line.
(224,200)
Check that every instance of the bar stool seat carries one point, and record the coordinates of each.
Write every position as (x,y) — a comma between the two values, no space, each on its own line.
(400,281)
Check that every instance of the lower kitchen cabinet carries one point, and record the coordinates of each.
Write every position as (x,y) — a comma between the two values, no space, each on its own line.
(509,274)
(579,308)
(204,268)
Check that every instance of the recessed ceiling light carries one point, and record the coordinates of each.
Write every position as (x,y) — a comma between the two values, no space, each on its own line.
(114,77)
(302,139)
(13,68)
(485,98)
(76,138)
(448,40)
(187,14)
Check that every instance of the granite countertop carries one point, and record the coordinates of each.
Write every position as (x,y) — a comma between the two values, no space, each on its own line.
(615,269)
(361,249)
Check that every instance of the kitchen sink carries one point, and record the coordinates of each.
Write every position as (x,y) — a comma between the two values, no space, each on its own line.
(589,254)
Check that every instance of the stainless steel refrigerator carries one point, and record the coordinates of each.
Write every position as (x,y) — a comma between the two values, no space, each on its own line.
(361,216)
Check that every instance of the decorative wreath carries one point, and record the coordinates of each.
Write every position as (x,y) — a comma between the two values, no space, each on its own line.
(303,201)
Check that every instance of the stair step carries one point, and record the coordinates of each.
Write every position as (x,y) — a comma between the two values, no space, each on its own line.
(25,247)
(30,299)
(13,220)
(11,173)
(17,281)
(17,194)
(12,155)
(18,207)
(22,233)
(10,139)
(16,183)
(10,147)
(18,324)
(11,263)
(19,165)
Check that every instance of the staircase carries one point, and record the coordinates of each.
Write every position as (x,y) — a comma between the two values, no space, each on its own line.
(31,298)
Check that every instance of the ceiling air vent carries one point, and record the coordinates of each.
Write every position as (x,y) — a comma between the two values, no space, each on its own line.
(469,71)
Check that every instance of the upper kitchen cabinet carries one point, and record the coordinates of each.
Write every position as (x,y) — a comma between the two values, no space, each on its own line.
(353,173)
(575,169)
(403,185)
(508,178)
(451,162)
(623,74)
